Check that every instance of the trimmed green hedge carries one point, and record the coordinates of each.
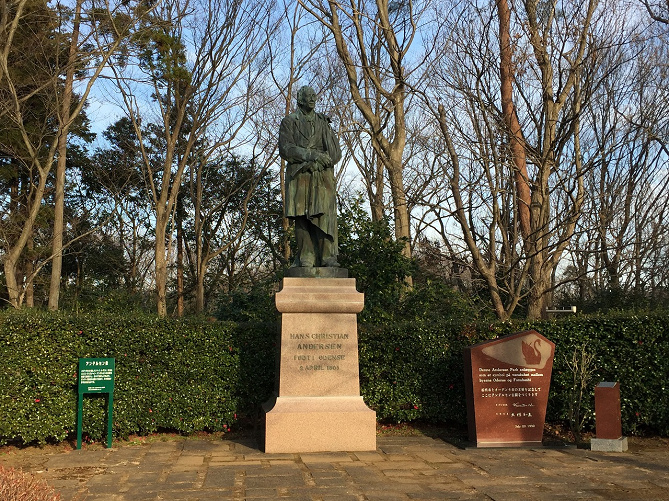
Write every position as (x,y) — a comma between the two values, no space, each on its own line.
(630,349)
(414,370)
(170,374)
(193,375)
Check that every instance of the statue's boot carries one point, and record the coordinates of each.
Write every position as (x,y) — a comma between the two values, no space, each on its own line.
(329,253)
(306,252)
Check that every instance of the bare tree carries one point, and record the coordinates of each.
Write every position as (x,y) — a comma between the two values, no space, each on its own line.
(293,53)
(658,10)
(96,34)
(514,130)
(473,177)
(74,53)
(624,227)
(497,146)
(220,219)
(199,67)
(373,40)
(240,210)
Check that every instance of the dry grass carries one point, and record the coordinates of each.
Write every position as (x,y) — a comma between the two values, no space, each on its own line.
(18,486)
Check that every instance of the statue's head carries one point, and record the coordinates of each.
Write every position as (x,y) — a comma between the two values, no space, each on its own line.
(306,98)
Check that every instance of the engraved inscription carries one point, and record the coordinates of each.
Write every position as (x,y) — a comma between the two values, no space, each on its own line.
(312,354)
(509,383)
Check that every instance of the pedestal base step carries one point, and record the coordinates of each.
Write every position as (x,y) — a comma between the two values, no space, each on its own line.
(319,424)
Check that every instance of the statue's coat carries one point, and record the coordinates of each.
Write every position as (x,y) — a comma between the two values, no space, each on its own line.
(310,194)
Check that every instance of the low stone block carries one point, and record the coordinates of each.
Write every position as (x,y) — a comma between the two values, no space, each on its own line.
(608,444)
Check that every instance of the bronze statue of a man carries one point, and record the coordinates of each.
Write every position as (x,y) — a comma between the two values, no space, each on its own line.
(310,148)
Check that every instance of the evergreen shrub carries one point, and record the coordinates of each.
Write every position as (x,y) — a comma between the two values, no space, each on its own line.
(170,374)
(193,375)
(632,349)
(414,370)
(374,258)
(256,345)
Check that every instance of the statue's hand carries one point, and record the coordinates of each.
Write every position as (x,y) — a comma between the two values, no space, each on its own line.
(324,161)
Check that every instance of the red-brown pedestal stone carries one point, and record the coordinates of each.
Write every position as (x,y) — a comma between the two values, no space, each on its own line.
(506,383)
(608,422)
(318,407)
(607,411)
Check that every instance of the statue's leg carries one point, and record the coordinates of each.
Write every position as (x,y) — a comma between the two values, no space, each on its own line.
(328,250)
(306,254)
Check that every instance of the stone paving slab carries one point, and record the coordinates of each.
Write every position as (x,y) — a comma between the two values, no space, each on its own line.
(402,468)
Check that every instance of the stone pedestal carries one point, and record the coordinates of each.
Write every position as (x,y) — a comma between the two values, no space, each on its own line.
(318,406)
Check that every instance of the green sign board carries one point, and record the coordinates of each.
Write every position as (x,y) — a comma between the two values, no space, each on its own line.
(96,375)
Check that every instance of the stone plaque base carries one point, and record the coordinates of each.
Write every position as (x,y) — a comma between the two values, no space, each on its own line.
(319,424)
(528,444)
(608,444)
(317,272)
(318,407)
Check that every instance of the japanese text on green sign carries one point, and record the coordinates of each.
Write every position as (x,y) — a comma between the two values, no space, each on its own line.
(96,375)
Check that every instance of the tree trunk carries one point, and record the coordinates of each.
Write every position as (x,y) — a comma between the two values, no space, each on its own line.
(541,283)
(13,290)
(59,206)
(375,191)
(199,295)
(58,224)
(180,259)
(401,211)
(516,141)
(390,147)
(161,264)
(30,269)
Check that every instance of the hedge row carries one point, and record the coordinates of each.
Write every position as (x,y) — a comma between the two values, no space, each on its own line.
(415,370)
(170,374)
(190,375)
(630,349)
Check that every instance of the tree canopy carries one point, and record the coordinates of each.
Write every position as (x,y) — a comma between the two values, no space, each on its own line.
(516,155)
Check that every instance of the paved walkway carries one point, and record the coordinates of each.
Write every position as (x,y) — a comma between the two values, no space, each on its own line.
(402,468)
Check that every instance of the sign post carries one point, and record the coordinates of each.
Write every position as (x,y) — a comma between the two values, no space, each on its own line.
(96,375)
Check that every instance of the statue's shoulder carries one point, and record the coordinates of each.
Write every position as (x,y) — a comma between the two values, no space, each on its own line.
(324,117)
(288,121)
(292,117)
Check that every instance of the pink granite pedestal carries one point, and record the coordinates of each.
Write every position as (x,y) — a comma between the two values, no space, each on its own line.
(318,407)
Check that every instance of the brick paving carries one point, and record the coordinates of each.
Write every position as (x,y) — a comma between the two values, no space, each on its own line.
(402,468)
